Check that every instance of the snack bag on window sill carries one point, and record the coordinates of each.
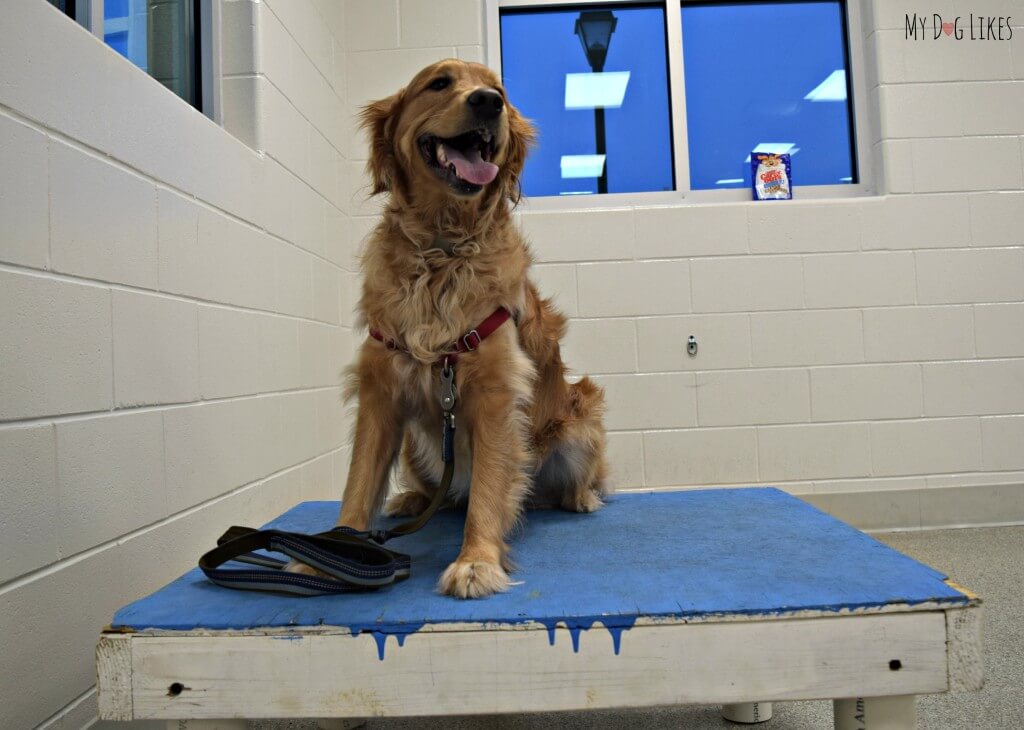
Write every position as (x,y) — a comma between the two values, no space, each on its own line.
(772,176)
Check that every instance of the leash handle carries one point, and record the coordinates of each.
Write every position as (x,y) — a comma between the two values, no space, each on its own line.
(352,560)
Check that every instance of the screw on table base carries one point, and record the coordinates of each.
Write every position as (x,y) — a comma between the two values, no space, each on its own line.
(748,712)
(875,713)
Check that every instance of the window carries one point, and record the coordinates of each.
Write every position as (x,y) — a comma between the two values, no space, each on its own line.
(65,6)
(770,77)
(162,37)
(670,98)
(602,116)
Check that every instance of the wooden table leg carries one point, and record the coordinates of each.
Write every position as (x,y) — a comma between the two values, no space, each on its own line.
(875,713)
(748,712)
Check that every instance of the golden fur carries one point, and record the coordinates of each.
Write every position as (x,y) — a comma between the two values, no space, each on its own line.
(438,264)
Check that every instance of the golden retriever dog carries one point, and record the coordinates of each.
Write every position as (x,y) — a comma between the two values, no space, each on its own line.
(448,150)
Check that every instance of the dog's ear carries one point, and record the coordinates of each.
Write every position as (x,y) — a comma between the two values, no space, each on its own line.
(379,119)
(521,136)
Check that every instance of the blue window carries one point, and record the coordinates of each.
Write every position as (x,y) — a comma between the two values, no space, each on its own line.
(118,41)
(770,77)
(162,37)
(601,80)
(594,79)
(124,29)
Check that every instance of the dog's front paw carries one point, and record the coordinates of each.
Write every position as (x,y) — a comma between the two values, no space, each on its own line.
(407,504)
(586,500)
(473,579)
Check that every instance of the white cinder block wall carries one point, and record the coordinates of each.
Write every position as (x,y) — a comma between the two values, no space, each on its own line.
(174,316)
(866,353)
(172,328)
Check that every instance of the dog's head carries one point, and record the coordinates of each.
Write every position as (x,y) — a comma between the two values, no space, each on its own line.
(451,132)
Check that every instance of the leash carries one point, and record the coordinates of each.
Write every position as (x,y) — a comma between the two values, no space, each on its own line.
(350,560)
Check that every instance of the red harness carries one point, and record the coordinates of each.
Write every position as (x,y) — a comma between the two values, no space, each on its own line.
(467,343)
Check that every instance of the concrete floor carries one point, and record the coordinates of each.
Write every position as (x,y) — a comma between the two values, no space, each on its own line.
(990,561)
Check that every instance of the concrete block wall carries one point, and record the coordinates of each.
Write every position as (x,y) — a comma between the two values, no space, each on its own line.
(176,313)
(177,299)
(864,352)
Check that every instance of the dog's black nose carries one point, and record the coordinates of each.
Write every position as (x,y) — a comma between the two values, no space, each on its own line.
(485,103)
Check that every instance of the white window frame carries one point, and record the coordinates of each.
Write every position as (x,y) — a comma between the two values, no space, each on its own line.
(89,14)
(862,136)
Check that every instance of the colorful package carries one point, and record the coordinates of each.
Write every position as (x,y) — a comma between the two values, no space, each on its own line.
(772,176)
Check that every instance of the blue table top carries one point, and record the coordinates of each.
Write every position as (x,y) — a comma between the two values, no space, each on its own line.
(670,554)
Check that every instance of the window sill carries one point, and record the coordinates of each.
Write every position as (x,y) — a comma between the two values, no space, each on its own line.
(693,197)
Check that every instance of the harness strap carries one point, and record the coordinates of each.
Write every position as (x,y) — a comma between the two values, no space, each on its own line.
(467,343)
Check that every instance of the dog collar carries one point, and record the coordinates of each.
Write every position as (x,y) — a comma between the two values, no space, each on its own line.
(467,343)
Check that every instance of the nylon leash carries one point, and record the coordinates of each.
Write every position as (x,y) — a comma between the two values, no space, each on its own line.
(350,560)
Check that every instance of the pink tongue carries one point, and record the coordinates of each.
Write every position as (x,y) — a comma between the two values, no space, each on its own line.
(470,166)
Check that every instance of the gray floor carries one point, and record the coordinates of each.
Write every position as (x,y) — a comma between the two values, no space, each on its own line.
(990,561)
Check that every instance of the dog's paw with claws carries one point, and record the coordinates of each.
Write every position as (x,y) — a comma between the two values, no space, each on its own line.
(407,504)
(473,579)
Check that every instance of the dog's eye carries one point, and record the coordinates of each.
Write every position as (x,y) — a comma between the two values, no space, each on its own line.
(440,84)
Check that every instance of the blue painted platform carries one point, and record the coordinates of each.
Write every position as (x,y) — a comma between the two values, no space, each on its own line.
(669,554)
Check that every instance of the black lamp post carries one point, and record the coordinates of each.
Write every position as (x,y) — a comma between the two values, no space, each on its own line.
(595,28)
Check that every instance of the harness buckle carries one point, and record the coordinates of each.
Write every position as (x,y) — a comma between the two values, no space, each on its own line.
(472,345)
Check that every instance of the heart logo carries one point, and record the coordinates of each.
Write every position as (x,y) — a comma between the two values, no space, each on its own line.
(947,28)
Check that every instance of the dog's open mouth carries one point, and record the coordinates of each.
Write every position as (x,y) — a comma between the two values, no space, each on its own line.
(464,162)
